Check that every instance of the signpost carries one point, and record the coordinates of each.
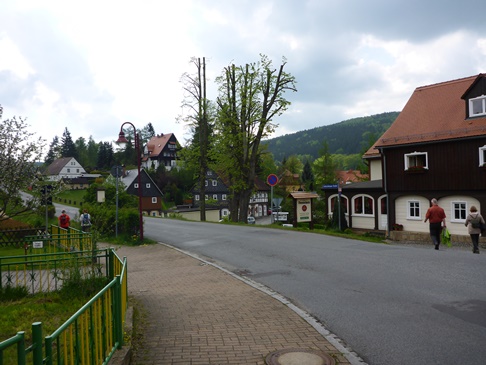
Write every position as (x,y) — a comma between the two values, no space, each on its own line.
(272,180)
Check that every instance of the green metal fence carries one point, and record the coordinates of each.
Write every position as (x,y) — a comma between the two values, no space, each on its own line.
(93,333)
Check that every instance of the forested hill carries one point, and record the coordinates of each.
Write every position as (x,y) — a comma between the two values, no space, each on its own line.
(347,137)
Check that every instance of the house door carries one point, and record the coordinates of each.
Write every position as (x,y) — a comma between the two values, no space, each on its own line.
(383,213)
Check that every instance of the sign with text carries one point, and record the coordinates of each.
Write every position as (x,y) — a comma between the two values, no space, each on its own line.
(37,244)
(304,210)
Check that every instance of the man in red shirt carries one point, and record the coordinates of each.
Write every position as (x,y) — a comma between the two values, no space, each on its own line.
(64,220)
(436,216)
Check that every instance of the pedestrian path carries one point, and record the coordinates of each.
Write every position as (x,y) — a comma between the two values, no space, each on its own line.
(194,312)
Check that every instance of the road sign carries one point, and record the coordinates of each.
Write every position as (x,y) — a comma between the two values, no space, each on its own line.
(117,171)
(272,180)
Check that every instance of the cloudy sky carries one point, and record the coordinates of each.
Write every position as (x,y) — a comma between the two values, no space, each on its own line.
(92,65)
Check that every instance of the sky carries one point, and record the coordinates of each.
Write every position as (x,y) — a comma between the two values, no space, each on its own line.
(90,66)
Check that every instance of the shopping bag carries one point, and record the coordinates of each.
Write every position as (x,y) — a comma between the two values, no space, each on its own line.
(446,237)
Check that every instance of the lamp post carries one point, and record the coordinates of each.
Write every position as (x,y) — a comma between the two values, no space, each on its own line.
(122,141)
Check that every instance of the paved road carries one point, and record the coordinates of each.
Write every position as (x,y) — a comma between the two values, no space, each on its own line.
(392,304)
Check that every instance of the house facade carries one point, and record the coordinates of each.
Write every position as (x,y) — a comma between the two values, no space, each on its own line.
(64,168)
(436,148)
(151,194)
(161,150)
(217,192)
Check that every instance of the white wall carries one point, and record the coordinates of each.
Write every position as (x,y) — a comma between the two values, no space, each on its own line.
(375,169)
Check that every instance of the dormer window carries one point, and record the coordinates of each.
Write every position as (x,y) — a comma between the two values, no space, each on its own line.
(477,106)
(416,160)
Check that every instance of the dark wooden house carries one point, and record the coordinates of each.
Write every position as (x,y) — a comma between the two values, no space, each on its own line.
(161,150)
(151,194)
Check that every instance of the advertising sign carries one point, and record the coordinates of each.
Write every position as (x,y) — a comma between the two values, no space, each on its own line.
(304,210)
(37,244)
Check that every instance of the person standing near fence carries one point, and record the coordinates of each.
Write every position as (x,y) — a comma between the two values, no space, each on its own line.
(85,221)
(435,215)
(64,220)
(473,222)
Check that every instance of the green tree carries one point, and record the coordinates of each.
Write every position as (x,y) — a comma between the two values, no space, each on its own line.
(82,149)
(293,164)
(92,152)
(68,149)
(250,97)
(19,152)
(199,119)
(324,168)
(307,176)
(54,151)
(105,156)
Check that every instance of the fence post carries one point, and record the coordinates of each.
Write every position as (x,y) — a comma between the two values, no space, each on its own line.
(49,350)
(37,343)
(21,348)
(118,313)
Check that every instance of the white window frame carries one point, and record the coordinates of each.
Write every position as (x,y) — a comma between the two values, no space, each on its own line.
(223,197)
(206,197)
(409,156)
(147,185)
(363,196)
(206,183)
(482,155)
(482,100)
(154,200)
(345,204)
(215,183)
(135,185)
(414,205)
(215,196)
(458,207)
(196,197)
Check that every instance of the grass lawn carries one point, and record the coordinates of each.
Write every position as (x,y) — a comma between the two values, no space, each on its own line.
(73,198)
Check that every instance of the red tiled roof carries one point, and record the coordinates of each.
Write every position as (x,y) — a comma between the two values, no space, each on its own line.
(157,144)
(351,176)
(433,113)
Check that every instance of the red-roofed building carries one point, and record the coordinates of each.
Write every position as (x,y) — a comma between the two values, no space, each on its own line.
(161,150)
(436,148)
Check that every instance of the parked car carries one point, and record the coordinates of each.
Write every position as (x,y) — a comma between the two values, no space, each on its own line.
(251,220)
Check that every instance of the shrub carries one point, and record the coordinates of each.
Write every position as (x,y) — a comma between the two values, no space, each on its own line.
(10,294)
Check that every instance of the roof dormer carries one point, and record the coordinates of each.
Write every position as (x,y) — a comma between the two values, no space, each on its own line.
(475,98)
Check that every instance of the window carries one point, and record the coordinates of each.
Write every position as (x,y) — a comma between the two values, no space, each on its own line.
(154,200)
(147,185)
(196,197)
(135,185)
(413,209)
(459,211)
(215,183)
(477,106)
(206,183)
(223,197)
(416,160)
(68,170)
(206,197)
(482,155)
(363,205)
(77,170)
(334,202)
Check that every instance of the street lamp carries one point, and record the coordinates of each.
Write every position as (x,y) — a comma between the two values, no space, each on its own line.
(122,141)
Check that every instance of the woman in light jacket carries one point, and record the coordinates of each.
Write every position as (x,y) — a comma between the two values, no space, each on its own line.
(473,231)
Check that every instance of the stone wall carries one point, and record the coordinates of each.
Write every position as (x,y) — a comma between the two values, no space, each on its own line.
(422,237)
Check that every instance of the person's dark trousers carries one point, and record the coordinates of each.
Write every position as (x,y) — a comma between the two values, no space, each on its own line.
(435,230)
(475,242)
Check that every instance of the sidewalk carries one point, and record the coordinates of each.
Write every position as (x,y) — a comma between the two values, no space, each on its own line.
(197,313)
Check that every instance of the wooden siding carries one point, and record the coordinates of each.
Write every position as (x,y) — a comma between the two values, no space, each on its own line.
(453,166)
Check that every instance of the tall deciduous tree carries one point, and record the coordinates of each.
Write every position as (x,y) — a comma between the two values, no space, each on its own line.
(250,97)
(199,119)
(324,168)
(18,154)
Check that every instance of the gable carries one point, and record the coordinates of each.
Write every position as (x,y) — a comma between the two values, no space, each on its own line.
(435,113)
(160,143)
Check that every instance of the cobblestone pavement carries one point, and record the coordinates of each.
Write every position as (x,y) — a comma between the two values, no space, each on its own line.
(193,312)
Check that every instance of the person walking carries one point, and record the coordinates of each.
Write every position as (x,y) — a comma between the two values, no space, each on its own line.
(64,220)
(437,221)
(85,221)
(473,223)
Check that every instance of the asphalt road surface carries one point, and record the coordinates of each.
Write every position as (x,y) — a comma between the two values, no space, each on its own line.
(391,304)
